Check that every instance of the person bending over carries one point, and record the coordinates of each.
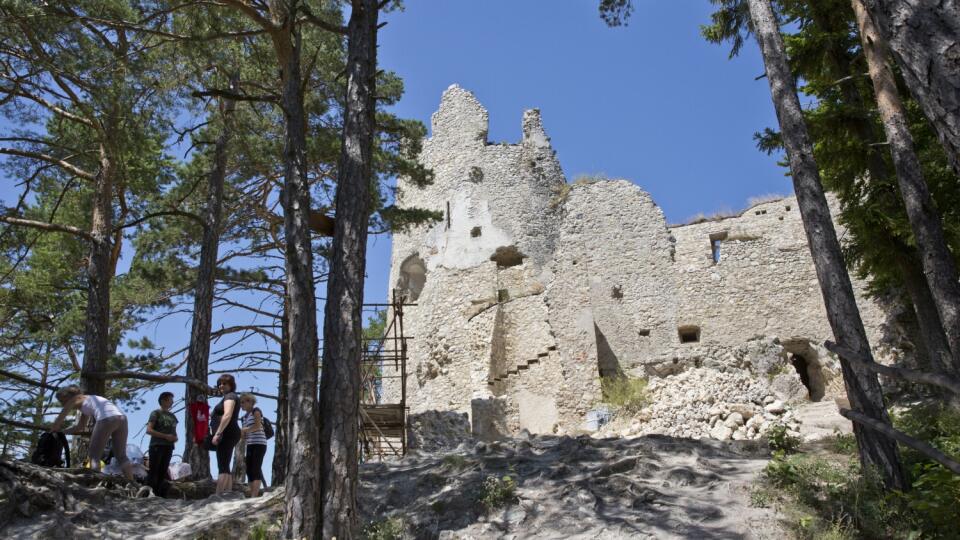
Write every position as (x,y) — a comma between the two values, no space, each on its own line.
(110,424)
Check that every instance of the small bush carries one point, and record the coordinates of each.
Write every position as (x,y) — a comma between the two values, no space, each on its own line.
(781,441)
(387,529)
(628,394)
(455,461)
(843,443)
(831,497)
(497,492)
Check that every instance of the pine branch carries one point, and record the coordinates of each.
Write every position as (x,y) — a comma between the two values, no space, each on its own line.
(43,225)
(24,379)
(920,446)
(936,379)
(70,168)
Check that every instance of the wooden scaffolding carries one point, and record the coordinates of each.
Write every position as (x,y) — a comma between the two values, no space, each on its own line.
(383,420)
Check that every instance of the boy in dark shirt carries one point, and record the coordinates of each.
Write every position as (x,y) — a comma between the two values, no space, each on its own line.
(162,428)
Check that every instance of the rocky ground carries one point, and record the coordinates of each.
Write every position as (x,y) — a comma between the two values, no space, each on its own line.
(37,502)
(703,402)
(565,487)
(589,486)
(583,487)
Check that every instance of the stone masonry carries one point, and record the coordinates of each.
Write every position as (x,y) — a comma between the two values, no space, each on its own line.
(531,288)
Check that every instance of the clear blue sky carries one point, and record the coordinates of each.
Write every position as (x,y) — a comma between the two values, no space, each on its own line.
(651,102)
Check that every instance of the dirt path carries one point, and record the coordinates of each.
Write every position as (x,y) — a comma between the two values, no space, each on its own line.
(580,488)
(644,487)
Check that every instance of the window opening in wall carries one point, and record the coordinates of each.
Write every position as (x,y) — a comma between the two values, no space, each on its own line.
(715,240)
(475,232)
(763,211)
(643,332)
(689,334)
(788,208)
(503,295)
(616,292)
(448,214)
(507,256)
(413,276)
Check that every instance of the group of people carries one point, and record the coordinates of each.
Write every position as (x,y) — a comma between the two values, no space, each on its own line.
(110,424)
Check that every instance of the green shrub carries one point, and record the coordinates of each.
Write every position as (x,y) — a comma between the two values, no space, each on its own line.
(455,461)
(843,443)
(387,529)
(831,497)
(497,492)
(629,394)
(781,441)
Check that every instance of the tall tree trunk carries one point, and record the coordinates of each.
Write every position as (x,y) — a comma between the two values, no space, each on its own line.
(96,335)
(863,389)
(342,325)
(938,264)
(239,471)
(924,36)
(302,504)
(198,355)
(928,320)
(41,398)
(282,427)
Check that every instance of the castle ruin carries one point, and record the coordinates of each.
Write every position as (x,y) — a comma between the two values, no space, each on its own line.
(530,289)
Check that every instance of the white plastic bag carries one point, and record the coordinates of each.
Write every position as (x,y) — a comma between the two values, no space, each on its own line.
(134,454)
(179,470)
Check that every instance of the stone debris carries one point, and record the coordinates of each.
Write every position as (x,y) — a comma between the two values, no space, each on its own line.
(708,403)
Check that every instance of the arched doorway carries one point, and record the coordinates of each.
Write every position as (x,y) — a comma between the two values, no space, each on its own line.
(805,360)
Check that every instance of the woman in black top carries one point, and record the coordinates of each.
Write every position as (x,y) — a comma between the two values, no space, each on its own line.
(226,432)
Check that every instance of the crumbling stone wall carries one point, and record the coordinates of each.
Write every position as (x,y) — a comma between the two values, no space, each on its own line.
(530,289)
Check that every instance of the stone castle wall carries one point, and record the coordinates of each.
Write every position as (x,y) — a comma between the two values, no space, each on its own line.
(530,289)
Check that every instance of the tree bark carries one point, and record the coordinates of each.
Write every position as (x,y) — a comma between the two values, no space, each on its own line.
(863,389)
(198,355)
(938,264)
(302,504)
(924,36)
(96,335)
(282,427)
(928,320)
(340,385)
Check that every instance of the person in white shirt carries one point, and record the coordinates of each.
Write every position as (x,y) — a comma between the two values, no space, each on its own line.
(110,424)
(256,441)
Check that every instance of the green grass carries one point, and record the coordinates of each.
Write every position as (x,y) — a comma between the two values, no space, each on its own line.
(386,529)
(455,461)
(497,492)
(627,394)
(829,496)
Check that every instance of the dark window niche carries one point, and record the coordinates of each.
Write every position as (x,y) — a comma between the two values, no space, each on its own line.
(616,292)
(715,240)
(689,334)
(643,332)
(475,232)
(503,295)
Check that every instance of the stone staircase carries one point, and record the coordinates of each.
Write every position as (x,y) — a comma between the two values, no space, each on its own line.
(522,365)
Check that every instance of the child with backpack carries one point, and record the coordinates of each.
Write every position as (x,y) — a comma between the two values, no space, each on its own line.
(256,430)
(162,428)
